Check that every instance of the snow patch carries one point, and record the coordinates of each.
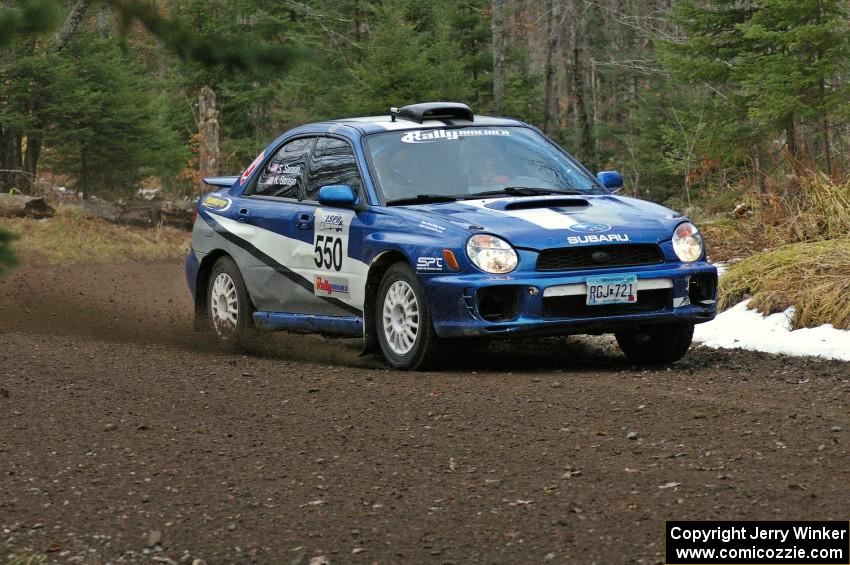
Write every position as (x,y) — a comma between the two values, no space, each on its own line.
(742,328)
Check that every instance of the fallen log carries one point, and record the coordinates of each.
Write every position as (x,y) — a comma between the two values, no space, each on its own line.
(156,211)
(20,206)
(140,213)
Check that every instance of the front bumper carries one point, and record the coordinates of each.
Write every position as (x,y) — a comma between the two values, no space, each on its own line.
(666,292)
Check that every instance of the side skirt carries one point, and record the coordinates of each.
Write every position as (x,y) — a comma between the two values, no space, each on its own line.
(351,326)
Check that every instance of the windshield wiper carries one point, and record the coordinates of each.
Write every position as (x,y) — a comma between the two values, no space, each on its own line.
(422,199)
(521,191)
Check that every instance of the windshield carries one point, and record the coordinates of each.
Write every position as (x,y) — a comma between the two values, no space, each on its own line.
(465,162)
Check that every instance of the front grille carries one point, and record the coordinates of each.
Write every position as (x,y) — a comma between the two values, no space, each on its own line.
(599,256)
(575,306)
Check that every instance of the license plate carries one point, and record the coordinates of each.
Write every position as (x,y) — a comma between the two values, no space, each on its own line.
(612,289)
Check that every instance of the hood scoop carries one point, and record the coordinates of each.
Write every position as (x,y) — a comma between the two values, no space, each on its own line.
(533,203)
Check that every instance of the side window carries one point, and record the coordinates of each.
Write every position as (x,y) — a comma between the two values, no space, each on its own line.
(283,174)
(332,163)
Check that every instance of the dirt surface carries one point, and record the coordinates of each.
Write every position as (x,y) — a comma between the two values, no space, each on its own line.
(124,439)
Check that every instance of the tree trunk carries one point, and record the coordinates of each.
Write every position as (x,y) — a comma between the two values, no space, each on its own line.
(84,174)
(497,30)
(208,128)
(827,146)
(791,139)
(586,145)
(72,22)
(568,41)
(12,164)
(550,108)
(757,172)
(827,134)
(104,20)
(31,156)
(3,150)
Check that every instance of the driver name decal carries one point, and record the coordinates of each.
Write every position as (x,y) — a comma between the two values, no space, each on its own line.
(287,175)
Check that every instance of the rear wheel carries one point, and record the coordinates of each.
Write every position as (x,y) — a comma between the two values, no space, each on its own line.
(658,344)
(403,321)
(229,310)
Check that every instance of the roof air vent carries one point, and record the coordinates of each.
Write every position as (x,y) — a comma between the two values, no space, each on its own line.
(433,111)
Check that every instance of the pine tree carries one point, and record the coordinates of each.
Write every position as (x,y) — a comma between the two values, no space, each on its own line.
(35,97)
(29,18)
(795,51)
(703,73)
(770,64)
(107,137)
(395,68)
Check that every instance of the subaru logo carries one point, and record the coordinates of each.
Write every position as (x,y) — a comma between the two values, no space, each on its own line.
(589,228)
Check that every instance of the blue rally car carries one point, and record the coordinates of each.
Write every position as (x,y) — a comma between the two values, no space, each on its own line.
(431,224)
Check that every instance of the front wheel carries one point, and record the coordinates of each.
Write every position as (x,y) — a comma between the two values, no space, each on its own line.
(229,310)
(656,345)
(404,329)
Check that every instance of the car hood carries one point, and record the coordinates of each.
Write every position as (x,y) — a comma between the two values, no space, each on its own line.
(542,222)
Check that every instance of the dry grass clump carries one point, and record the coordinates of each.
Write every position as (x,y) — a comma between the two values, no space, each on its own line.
(814,277)
(797,248)
(819,209)
(729,239)
(75,236)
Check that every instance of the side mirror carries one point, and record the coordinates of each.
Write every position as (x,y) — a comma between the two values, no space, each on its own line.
(338,196)
(611,180)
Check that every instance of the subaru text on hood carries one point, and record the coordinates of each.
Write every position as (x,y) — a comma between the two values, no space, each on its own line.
(432,224)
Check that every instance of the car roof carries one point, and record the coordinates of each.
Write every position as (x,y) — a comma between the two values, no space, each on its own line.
(377,124)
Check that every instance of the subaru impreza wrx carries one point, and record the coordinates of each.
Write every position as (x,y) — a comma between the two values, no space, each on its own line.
(431,224)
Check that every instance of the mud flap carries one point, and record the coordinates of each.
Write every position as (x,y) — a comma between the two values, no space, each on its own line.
(370,345)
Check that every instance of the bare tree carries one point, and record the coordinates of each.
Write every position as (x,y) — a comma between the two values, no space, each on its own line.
(575,54)
(551,118)
(498,33)
(208,129)
(72,22)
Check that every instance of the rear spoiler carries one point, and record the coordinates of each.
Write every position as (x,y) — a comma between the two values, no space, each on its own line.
(221,182)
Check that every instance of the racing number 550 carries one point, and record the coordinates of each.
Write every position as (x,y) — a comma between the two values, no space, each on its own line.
(328,252)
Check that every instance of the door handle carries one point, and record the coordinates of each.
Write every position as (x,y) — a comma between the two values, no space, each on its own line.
(304,221)
(243,212)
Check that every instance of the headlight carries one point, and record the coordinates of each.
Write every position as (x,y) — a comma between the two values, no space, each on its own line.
(687,242)
(491,254)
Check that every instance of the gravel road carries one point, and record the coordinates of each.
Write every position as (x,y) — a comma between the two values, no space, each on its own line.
(123,438)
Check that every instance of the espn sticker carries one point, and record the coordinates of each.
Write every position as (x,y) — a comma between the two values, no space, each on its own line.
(757,543)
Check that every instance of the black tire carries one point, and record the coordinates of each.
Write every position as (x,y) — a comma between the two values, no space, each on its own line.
(229,336)
(425,350)
(658,344)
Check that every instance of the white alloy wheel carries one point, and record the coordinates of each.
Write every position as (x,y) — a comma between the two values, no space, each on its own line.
(400,317)
(224,305)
